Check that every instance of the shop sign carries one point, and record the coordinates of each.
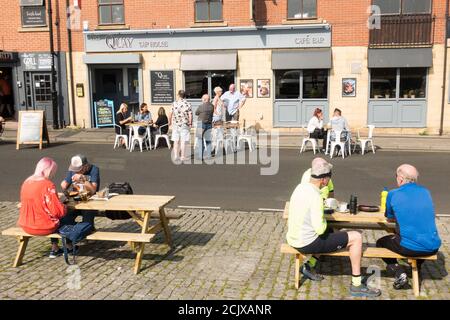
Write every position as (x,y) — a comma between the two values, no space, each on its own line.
(36,61)
(177,40)
(104,113)
(162,87)
(7,57)
(34,16)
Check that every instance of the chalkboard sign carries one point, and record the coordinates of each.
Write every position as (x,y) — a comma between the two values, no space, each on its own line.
(162,87)
(32,128)
(104,113)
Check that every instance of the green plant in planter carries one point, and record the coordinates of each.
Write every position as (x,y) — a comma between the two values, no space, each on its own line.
(424,132)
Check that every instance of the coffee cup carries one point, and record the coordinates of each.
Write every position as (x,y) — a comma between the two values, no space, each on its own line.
(343,206)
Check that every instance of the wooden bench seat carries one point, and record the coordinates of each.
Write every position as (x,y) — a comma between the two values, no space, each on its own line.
(368,252)
(23,238)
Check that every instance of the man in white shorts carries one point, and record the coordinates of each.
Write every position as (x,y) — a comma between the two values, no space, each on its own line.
(180,119)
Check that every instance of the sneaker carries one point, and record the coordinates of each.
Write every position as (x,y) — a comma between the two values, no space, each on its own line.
(364,291)
(53,254)
(309,273)
(401,281)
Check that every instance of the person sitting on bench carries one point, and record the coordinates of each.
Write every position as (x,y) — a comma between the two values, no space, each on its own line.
(416,235)
(41,212)
(307,230)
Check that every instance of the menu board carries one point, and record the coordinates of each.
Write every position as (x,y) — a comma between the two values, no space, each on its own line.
(162,87)
(32,128)
(104,113)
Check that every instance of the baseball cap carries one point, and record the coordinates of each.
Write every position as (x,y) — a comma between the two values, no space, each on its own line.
(77,162)
(320,168)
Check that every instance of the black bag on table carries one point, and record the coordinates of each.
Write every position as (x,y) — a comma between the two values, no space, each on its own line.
(120,188)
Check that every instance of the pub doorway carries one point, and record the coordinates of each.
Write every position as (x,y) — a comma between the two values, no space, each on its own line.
(7,107)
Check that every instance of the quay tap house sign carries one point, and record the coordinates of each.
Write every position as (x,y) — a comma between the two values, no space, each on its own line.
(225,38)
(162,87)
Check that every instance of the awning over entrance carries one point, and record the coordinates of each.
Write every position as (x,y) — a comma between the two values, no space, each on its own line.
(400,58)
(301,59)
(128,58)
(208,60)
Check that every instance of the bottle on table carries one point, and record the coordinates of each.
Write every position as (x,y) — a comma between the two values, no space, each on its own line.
(353,204)
(383,197)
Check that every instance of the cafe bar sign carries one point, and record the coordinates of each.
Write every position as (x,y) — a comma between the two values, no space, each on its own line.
(208,39)
(33,13)
(36,61)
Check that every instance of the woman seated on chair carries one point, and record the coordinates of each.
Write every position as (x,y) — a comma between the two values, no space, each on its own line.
(339,123)
(161,121)
(315,127)
(122,118)
(144,116)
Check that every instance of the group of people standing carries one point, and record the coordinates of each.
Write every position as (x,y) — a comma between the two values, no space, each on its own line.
(211,117)
(317,130)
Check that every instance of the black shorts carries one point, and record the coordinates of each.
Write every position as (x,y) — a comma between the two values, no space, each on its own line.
(328,242)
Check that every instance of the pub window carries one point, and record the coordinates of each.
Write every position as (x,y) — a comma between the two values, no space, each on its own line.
(403,6)
(315,84)
(312,82)
(383,83)
(302,9)
(111,12)
(33,13)
(208,10)
(196,84)
(413,82)
(287,84)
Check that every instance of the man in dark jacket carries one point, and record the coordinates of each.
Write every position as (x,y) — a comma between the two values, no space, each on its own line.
(204,126)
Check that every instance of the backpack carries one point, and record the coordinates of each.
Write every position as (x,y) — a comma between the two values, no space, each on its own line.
(74,233)
(120,188)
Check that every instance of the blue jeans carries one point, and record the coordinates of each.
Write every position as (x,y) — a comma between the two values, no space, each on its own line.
(204,135)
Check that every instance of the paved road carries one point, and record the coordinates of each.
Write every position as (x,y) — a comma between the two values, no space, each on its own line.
(237,187)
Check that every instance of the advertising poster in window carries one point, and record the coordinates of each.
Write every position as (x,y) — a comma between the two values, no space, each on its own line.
(349,87)
(104,113)
(263,88)
(246,86)
(162,87)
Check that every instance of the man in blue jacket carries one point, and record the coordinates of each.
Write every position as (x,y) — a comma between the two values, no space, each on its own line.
(416,234)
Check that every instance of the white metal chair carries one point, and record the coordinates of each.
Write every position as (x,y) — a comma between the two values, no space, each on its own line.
(119,136)
(364,141)
(307,139)
(247,135)
(139,138)
(160,135)
(342,143)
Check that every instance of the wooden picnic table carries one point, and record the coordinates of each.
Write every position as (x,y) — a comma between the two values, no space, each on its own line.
(140,208)
(346,219)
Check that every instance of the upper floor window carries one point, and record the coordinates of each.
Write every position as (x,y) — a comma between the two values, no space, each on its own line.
(302,9)
(208,10)
(110,12)
(33,13)
(403,6)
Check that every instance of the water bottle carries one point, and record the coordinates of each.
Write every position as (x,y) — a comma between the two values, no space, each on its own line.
(353,205)
(383,197)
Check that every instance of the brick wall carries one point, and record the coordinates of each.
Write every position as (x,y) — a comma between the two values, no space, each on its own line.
(348,20)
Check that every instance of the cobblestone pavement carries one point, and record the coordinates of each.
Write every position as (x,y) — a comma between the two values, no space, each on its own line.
(218,255)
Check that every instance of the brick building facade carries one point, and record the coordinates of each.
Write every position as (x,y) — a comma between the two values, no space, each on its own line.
(306,49)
